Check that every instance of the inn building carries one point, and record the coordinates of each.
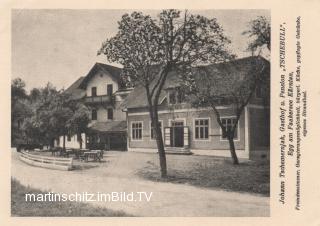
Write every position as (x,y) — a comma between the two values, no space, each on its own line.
(120,118)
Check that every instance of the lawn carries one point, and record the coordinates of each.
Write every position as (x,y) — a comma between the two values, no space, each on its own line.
(19,207)
(212,172)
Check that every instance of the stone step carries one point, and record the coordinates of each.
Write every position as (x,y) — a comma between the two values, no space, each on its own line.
(178,151)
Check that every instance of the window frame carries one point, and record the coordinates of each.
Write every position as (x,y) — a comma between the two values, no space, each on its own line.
(96,91)
(162,130)
(111,110)
(109,85)
(238,128)
(194,129)
(96,114)
(131,130)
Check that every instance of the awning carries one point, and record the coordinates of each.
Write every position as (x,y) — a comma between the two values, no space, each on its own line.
(109,127)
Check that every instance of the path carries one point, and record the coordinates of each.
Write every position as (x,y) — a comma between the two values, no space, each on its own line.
(167,199)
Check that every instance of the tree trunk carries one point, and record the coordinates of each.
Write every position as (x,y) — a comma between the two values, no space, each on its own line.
(80,140)
(64,143)
(156,129)
(161,151)
(233,151)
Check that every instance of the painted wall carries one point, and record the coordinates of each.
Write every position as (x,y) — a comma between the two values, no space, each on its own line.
(214,142)
(259,133)
(73,143)
(100,80)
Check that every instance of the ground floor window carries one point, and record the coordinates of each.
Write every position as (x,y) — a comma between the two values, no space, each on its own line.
(110,113)
(153,136)
(201,128)
(136,130)
(94,114)
(228,123)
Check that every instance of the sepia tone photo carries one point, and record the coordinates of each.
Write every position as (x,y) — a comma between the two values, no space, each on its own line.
(140,113)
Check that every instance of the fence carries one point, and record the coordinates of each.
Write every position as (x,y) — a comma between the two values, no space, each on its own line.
(47,162)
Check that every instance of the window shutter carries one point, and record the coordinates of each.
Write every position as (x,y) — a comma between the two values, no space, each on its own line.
(167,136)
(185,136)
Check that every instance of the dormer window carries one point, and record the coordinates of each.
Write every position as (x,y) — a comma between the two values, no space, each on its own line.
(176,96)
(94,91)
(172,97)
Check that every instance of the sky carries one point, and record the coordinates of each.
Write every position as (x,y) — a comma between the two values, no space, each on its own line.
(60,45)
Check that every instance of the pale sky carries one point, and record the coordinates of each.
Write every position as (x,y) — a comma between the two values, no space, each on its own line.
(59,46)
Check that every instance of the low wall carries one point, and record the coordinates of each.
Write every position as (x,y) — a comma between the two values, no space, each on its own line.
(47,162)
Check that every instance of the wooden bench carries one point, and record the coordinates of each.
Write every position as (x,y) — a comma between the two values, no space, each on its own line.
(47,162)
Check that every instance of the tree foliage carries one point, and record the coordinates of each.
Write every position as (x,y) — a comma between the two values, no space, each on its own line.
(150,48)
(260,31)
(47,114)
(227,84)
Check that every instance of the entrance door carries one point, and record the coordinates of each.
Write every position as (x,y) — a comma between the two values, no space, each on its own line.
(176,138)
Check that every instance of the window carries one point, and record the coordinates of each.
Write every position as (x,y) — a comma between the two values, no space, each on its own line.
(201,129)
(110,113)
(228,123)
(176,96)
(136,130)
(172,97)
(78,137)
(94,114)
(68,137)
(94,91)
(109,89)
(152,134)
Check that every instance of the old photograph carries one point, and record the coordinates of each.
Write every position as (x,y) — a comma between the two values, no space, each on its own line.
(140,113)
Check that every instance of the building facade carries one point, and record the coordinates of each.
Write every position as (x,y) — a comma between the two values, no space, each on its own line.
(195,130)
(102,92)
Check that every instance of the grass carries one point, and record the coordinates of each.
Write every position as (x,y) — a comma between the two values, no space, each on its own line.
(19,207)
(212,172)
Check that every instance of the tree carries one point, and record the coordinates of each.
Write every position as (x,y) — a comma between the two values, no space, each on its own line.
(20,109)
(149,49)
(79,121)
(260,31)
(227,84)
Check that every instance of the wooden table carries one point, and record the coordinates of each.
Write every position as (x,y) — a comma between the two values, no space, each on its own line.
(95,155)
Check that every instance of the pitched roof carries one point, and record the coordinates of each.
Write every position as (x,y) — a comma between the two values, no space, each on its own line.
(137,98)
(74,90)
(112,126)
(112,70)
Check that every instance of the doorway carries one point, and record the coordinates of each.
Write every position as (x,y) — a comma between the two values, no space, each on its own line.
(176,131)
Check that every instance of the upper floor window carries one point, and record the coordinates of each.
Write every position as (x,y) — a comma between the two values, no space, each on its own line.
(176,96)
(201,128)
(110,113)
(94,115)
(228,123)
(93,91)
(109,89)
